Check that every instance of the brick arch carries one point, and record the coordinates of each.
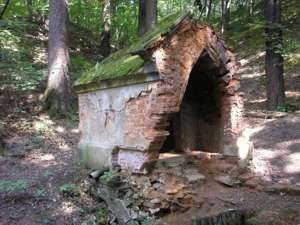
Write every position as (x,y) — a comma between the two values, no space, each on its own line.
(147,115)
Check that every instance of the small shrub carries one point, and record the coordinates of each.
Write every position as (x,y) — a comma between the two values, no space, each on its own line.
(42,126)
(289,106)
(69,190)
(40,192)
(105,177)
(13,186)
(47,173)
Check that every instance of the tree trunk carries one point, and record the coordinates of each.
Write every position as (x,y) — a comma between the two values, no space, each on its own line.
(147,15)
(222,16)
(274,59)
(4,9)
(29,6)
(225,14)
(209,9)
(105,47)
(251,7)
(200,5)
(57,97)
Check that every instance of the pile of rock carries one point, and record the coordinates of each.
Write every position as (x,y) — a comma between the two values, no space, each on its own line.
(169,188)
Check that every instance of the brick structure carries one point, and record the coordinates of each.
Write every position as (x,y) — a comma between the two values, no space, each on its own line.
(183,95)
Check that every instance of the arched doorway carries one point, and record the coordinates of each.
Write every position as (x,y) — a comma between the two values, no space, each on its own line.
(198,124)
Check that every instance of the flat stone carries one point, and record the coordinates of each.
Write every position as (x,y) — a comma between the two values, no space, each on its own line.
(252,183)
(193,176)
(171,162)
(155,201)
(227,180)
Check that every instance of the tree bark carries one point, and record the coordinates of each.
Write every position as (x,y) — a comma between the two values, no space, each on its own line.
(105,47)
(147,15)
(251,7)
(274,60)
(57,97)
(4,9)
(209,9)
(222,16)
(29,6)
(225,14)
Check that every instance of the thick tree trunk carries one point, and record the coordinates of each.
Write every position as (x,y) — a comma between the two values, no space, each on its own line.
(57,97)
(4,9)
(147,15)
(274,59)
(105,47)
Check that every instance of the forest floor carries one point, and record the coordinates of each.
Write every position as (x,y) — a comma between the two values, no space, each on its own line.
(41,181)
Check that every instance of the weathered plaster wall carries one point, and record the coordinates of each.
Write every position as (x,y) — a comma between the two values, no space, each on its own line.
(102,118)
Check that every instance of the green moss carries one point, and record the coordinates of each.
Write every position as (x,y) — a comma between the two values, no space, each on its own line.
(113,67)
(125,62)
(163,27)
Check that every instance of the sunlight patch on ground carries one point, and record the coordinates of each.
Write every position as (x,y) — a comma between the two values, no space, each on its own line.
(43,160)
(252,58)
(64,147)
(68,207)
(75,131)
(258,100)
(40,55)
(269,153)
(251,73)
(60,129)
(293,94)
(262,167)
(43,123)
(293,163)
(46,157)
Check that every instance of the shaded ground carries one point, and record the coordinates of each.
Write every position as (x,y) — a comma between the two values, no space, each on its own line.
(276,140)
(38,159)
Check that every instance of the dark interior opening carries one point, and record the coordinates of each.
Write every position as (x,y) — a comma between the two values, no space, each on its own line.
(197,126)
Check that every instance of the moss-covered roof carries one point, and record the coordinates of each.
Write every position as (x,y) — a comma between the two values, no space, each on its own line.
(127,62)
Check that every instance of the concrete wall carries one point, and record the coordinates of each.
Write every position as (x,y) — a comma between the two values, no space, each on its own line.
(102,118)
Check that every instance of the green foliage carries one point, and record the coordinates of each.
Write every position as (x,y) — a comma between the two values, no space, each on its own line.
(47,173)
(42,126)
(79,64)
(101,215)
(162,27)
(87,14)
(290,105)
(149,221)
(111,68)
(106,176)
(12,186)
(40,192)
(69,190)
(124,31)
(19,63)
